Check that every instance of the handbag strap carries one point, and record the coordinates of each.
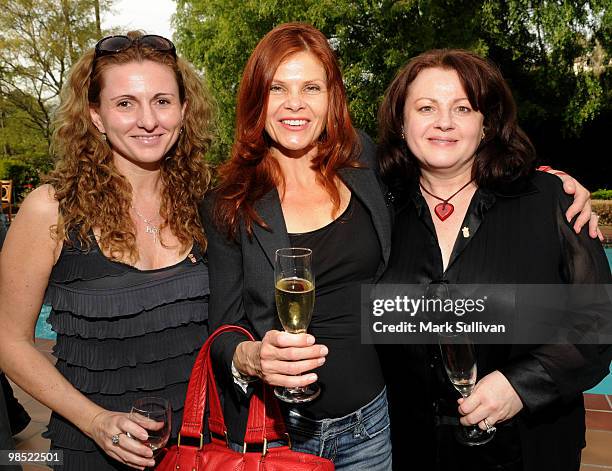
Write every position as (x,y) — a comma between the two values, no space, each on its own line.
(260,426)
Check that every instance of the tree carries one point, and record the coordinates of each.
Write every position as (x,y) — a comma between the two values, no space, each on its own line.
(39,41)
(540,46)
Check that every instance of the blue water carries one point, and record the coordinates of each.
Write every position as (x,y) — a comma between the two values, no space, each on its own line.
(43,330)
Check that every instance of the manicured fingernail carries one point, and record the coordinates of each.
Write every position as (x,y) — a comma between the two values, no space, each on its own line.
(312,377)
(310,340)
(321,361)
(324,350)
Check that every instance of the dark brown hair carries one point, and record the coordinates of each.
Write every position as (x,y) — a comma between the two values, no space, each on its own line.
(251,171)
(90,190)
(505,153)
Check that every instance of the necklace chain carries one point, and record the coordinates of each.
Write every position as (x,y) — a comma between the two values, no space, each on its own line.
(150,228)
(450,197)
(444,209)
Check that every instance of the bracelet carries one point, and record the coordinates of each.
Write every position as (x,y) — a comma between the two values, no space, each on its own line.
(242,377)
(95,417)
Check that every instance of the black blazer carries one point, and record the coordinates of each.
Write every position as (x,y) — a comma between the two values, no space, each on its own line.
(242,273)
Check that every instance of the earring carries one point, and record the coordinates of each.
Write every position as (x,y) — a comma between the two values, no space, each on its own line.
(402,134)
(103,135)
(482,135)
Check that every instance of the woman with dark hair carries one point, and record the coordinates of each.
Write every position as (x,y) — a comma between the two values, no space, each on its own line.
(471,209)
(114,243)
(301,176)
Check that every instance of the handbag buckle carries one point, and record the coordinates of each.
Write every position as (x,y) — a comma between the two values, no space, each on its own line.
(201,440)
(264,447)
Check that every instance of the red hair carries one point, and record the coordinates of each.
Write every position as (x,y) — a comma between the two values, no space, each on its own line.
(251,172)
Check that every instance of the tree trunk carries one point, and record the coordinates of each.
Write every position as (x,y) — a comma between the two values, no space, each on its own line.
(98,25)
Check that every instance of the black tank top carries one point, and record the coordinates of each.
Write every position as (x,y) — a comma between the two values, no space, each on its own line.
(346,254)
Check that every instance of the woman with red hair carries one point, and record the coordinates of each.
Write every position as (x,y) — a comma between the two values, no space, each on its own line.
(301,176)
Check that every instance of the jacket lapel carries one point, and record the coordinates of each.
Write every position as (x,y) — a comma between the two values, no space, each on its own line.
(361,184)
(269,209)
(365,187)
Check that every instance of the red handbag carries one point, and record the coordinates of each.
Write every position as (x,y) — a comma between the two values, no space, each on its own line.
(265,424)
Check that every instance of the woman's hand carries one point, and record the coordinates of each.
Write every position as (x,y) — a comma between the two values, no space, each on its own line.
(128,450)
(493,399)
(581,204)
(281,358)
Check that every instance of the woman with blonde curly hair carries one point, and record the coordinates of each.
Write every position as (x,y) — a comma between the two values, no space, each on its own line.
(114,243)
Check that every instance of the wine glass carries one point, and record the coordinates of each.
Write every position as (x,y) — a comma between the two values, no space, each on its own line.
(459,358)
(295,295)
(155,415)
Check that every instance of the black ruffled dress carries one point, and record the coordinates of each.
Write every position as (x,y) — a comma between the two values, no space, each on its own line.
(123,333)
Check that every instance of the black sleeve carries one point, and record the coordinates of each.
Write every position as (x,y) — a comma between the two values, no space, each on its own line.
(226,302)
(559,372)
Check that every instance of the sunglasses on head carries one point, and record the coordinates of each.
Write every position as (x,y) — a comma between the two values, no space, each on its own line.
(115,44)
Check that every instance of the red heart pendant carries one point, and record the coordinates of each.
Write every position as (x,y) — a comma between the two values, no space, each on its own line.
(444,210)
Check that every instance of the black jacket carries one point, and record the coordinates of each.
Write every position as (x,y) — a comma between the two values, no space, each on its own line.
(242,274)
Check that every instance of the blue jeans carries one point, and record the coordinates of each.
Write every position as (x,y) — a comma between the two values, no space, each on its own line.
(360,440)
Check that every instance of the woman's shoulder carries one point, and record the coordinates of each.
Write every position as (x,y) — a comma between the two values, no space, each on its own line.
(40,204)
(31,231)
(550,186)
(367,150)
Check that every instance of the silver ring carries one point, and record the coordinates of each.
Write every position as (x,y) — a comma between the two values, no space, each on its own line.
(115,439)
(490,428)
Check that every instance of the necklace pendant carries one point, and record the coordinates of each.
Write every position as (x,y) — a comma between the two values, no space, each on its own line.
(444,210)
(154,231)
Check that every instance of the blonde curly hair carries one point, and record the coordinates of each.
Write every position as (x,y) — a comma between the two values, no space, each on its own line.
(90,190)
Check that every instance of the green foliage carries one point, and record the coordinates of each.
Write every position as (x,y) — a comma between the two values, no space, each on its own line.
(39,41)
(555,54)
(24,175)
(20,138)
(602,194)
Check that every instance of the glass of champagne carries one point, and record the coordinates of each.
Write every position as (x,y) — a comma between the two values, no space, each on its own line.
(459,358)
(295,295)
(155,415)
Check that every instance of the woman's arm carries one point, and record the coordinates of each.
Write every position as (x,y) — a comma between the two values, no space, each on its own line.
(278,358)
(226,305)
(581,205)
(555,372)
(26,260)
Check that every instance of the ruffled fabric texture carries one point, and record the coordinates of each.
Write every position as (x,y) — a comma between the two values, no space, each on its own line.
(123,333)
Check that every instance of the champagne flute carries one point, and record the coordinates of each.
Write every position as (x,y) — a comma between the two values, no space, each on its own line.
(459,358)
(295,295)
(155,415)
